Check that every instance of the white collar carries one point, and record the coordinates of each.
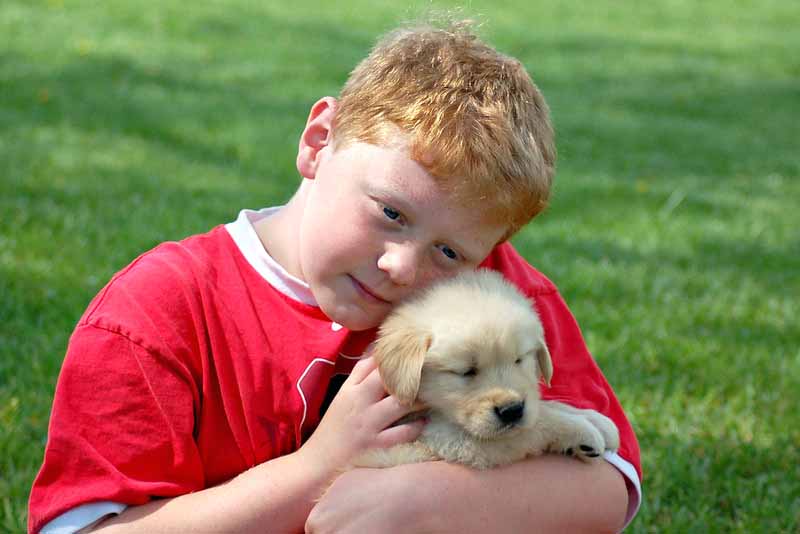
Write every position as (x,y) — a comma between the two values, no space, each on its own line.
(245,237)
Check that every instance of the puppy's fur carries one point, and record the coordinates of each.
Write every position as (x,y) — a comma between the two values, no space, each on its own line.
(472,349)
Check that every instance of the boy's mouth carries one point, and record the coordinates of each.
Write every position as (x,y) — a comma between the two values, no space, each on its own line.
(367,292)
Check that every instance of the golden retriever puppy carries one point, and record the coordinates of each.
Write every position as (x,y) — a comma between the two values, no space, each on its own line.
(472,350)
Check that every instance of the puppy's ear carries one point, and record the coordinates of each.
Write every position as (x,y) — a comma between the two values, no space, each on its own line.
(400,352)
(545,363)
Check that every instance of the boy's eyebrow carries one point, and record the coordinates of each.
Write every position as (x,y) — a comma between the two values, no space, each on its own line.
(393,195)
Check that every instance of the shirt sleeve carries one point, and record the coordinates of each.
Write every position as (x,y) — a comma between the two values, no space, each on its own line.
(120,430)
(81,517)
(578,381)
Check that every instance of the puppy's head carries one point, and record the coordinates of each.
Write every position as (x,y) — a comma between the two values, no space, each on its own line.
(471,348)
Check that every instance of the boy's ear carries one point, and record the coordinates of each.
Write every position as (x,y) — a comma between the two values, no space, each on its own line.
(400,352)
(545,364)
(317,135)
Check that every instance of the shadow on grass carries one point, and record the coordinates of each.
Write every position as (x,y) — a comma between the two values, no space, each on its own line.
(658,120)
(115,97)
(630,108)
(219,110)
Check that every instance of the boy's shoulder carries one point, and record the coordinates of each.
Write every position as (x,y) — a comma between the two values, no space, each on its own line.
(505,259)
(169,276)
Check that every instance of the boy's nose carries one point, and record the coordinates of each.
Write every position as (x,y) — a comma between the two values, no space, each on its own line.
(401,262)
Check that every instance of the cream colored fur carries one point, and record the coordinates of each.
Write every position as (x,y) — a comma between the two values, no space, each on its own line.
(467,348)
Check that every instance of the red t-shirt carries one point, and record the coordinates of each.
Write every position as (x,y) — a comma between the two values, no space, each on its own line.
(190,367)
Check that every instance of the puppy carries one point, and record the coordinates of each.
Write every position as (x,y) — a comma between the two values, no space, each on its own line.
(472,350)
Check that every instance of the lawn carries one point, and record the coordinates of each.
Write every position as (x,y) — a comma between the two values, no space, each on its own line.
(674,231)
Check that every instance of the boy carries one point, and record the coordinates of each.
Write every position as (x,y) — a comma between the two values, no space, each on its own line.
(192,395)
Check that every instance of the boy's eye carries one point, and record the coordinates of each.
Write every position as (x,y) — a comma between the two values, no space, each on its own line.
(391,213)
(449,252)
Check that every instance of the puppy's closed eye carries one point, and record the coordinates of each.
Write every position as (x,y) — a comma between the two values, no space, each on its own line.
(465,372)
(472,371)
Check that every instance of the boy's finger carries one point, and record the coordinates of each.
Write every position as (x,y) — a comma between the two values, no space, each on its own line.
(362,369)
(400,434)
(389,410)
(372,386)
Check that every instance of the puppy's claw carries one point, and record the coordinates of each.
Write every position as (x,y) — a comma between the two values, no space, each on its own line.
(587,451)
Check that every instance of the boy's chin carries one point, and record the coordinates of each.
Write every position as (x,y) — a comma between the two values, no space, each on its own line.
(354,318)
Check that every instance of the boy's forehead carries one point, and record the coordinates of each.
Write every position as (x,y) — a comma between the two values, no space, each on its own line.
(394,172)
(406,184)
(396,140)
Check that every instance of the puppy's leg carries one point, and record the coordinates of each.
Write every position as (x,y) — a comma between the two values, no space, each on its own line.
(573,432)
(405,453)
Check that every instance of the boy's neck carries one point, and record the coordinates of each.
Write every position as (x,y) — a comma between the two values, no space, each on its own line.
(280,234)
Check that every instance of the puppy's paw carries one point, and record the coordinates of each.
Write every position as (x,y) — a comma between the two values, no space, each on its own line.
(584,441)
(606,427)
(584,434)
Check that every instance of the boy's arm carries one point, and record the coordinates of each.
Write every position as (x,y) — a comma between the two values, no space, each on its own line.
(277,494)
(544,494)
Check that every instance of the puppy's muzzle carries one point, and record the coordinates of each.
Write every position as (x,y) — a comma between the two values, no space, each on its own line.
(510,414)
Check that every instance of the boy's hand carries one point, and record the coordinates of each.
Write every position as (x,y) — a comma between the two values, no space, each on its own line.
(358,419)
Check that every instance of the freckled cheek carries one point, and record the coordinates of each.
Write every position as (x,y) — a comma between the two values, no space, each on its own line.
(428,272)
(363,229)
(349,237)
(425,277)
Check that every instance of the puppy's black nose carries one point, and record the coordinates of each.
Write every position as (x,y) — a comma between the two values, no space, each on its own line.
(510,413)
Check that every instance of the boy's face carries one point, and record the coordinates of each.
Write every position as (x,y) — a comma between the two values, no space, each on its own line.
(376,227)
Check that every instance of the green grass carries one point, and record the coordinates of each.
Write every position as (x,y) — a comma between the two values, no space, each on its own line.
(673,233)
